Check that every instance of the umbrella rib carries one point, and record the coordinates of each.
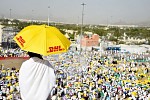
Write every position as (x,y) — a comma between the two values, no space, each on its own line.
(63,42)
(33,37)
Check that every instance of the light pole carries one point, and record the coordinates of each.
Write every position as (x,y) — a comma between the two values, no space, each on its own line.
(7,43)
(48,14)
(32,16)
(10,13)
(83,4)
(81,57)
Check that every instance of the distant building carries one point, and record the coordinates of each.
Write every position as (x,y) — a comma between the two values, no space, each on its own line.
(7,37)
(93,40)
(132,40)
(1,34)
(123,26)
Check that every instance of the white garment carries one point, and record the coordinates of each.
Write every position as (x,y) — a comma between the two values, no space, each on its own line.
(36,79)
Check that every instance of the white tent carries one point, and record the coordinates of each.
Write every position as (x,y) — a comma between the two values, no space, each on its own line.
(67,36)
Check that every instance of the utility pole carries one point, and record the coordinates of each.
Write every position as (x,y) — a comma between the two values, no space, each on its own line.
(32,17)
(83,4)
(10,13)
(48,14)
(81,59)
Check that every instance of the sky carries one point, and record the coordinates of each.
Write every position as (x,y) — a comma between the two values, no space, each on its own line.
(70,11)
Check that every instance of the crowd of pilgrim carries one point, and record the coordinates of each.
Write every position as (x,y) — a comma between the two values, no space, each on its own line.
(100,77)
(88,75)
(12,53)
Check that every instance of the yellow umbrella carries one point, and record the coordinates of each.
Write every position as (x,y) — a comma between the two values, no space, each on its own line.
(3,71)
(134,93)
(42,39)
(8,77)
(127,88)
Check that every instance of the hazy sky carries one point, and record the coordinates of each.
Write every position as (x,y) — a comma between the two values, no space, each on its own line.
(70,11)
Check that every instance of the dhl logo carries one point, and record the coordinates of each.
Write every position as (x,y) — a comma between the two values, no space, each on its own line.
(55,49)
(20,40)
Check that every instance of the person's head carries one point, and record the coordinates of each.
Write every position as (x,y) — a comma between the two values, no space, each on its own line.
(31,54)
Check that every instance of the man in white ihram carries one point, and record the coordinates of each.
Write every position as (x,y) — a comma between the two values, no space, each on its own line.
(36,78)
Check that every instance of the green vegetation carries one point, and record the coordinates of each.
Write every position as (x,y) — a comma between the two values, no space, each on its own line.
(110,33)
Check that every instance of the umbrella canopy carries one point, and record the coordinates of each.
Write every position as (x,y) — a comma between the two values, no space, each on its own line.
(42,39)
